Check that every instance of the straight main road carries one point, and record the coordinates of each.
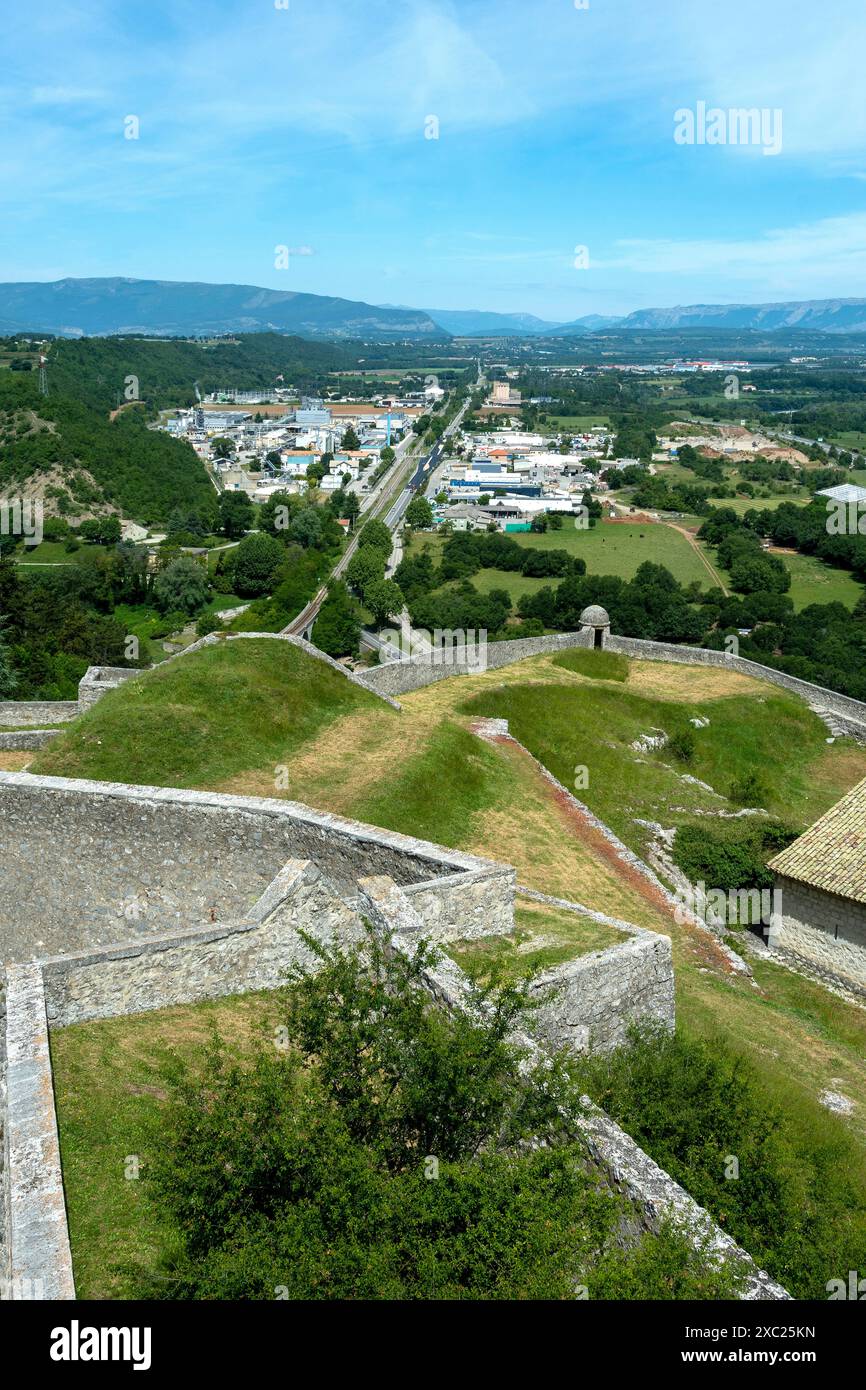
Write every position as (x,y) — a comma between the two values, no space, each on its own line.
(392,516)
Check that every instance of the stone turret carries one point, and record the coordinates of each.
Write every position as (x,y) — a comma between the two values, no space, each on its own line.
(596,620)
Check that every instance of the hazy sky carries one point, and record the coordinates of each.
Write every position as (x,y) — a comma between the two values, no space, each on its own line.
(305,127)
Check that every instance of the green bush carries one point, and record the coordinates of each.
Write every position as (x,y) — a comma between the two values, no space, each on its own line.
(379,1151)
(791,1193)
(681,745)
(732,855)
(748,790)
(208,623)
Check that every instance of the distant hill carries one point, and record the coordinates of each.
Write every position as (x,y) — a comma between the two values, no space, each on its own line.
(819,315)
(98,307)
(120,306)
(480,323)
(590,323)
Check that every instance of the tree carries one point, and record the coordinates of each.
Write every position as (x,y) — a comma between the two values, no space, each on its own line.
(221,448)
(276,514)
(366,567)
(306,527)
(338,630)
(350,440)
(102,530)
(384,599)
(182,587)
(351,507)
(310,1167)
(419,513)
(236,514)
(387,455)
(376,533)
(257,559)
(8,678)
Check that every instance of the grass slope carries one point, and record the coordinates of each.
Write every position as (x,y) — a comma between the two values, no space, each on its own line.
(593,725)
(198,720)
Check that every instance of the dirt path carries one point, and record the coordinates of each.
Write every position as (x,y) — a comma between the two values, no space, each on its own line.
(716,577)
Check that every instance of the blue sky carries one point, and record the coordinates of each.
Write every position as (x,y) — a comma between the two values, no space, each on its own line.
(305,127)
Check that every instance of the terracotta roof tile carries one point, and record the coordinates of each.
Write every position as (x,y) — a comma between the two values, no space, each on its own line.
(831,854)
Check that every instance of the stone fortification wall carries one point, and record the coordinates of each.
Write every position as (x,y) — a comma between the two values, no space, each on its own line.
(853,712)
(399,677)
(92,863)
(36,713)
(27,740)
(205,962)
(38,1258)
(589,1003)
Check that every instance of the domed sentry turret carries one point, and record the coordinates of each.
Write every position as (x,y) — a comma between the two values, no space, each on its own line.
(595,618)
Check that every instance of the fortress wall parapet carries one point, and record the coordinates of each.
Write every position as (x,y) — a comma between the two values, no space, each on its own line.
(91,863)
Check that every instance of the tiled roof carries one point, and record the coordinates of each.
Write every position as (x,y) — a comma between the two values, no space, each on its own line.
(831,854)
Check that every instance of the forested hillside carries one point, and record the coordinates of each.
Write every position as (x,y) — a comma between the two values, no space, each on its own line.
(87,461)
(95,370)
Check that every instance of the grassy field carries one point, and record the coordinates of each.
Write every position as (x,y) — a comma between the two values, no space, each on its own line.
(850,439)
(741,505)
(577,423)
(614,547)
(814,582)
(50,553)
(515,585)
(811,580)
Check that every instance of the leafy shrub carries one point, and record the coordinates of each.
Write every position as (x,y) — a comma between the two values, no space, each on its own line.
(748,790)
(730,856)
(681,745)
(208,623)
(381,1154)
(798,1202)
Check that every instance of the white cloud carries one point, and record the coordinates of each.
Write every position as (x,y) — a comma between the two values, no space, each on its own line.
(826,253)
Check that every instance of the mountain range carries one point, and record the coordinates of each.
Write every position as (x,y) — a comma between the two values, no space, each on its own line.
(178,308)
(175,308)
(482,323)
(818,315)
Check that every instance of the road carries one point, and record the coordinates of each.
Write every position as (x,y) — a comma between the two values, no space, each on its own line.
(392,518)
